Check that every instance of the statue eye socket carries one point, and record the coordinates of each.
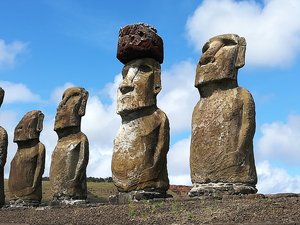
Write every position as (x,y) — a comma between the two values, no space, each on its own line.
(124,72)
(145,68)
(229,42)
(205,47)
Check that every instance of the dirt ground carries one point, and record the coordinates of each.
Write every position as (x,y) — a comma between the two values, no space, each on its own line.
(251,209)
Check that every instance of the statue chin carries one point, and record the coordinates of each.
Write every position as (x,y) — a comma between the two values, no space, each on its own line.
(125,109)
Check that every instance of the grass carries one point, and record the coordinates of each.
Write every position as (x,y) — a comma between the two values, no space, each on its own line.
(97,191)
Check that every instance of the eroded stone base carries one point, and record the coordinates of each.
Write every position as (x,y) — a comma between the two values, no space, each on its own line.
(68,201)
(24,203)
(127,197)
(219,189)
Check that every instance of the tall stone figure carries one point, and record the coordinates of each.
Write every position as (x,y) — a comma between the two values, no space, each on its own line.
(139,161)
(71,154)
(223,123)
(3,154)
(28,164)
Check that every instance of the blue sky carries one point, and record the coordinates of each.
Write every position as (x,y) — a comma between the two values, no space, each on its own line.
(49,45)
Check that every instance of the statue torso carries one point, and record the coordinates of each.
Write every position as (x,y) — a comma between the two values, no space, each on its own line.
(216,125)
(23,167)
(65,158)
(134,148)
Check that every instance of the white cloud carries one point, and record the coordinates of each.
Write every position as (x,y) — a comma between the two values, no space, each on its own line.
(271,30)
(179,96)
(180,179)
(9,52)
(49,138)
(179,162)
(99,162)
(276,180)
(18,92)
(100,124)
(280,141)
(56,95)
(8,120)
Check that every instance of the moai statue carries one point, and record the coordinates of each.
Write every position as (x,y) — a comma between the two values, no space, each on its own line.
(3,154)
(139,161)
(71,154)
(28,164)
(223,123)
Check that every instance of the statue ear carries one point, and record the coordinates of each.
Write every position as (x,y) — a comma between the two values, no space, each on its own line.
(84,98)
(240,60)
(39,126)
(157,80)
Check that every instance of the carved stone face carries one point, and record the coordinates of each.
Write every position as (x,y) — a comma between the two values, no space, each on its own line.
(29,127)
(1,95)
(71,108)
(140,85)
(221,57)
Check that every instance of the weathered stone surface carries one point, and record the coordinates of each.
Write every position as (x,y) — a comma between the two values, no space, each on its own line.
(71,154)
(223,123)
(139,161)
(220,189)
(180,190)
(139,41)
(3,154)
(135,196)
(27,166)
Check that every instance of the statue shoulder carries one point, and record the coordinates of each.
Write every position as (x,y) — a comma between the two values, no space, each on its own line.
(162,116)
(245,95)
(41,148)
(3,134)
(83,137)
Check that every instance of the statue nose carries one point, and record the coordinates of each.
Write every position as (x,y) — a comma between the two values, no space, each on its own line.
(127,83)
(125,88)
(206,59)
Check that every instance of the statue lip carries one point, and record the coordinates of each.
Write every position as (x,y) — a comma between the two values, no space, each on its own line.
(207,63)
(126,97)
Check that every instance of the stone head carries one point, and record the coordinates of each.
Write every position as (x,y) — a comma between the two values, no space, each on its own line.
(221,58)
(29,127)
(2,92)
(140,85)
(71,108)
(140,48)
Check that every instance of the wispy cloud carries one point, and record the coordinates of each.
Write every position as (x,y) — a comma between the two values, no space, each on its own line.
(280,141)
(276,180)
(271,29)
(10,52)
(56,95)
(179,162)
(179,96)
(18,92)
